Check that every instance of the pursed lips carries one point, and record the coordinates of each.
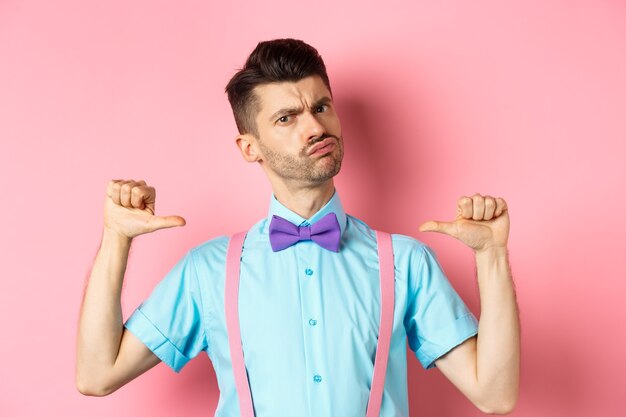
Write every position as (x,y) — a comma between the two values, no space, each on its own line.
(328,143)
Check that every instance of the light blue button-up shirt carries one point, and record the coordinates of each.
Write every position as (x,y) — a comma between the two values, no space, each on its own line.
(309,318)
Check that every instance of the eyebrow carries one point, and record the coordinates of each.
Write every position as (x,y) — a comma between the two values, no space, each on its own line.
(291,110)
(284,111)
(322,101)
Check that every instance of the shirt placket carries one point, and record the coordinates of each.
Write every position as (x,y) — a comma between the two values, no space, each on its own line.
(309,277)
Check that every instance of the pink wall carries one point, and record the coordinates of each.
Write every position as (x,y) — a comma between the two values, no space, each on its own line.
(524,99)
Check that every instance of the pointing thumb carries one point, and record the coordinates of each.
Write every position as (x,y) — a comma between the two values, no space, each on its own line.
(163,222)
(448,228)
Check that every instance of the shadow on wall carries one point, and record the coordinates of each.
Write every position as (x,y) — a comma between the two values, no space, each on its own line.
(363,162)
(377,173)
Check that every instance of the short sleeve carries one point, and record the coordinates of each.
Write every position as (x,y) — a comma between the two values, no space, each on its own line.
(437,319)
(170,321)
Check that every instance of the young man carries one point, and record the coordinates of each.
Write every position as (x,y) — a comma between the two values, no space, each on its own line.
(308,307)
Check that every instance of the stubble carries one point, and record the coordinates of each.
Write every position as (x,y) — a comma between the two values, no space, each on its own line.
(314,170)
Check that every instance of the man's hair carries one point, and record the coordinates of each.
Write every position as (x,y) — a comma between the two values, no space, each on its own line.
(274,61)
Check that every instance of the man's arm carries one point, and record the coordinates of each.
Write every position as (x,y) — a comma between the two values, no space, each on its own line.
(486,368)
(108,356)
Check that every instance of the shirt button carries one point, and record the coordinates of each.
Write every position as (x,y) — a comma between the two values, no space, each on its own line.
(312,322)
(308,271)
(317,379)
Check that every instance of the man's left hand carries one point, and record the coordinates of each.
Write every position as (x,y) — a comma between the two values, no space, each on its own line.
(482,223)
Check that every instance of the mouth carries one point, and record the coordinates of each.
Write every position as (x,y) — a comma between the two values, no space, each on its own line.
(324,147)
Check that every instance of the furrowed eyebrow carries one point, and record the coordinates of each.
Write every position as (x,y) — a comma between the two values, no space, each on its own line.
(285,111)
(291,110)
(322,101)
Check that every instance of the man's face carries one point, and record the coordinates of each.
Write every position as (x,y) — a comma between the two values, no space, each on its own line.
(299,131)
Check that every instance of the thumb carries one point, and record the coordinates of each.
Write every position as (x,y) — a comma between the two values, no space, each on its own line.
(448,228)
(163,222)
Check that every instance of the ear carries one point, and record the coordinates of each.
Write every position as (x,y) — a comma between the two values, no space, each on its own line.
(248,147)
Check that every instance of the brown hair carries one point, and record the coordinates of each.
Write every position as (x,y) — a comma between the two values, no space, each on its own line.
(272,61)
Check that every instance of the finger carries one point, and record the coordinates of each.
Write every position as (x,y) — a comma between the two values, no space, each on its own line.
(490,207)
(164,222)
(141,194)
(464,206)
(116,187)
(448,228)
(110,186)
(500,207)
(126,192)
(478,207)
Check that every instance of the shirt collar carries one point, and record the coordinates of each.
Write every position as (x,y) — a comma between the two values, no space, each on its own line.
(333,206)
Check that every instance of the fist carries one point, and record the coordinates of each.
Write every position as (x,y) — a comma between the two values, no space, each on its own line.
(129,209)
(482,222)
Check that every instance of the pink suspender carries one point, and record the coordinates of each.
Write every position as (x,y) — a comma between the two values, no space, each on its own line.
(231,301)
(387,274)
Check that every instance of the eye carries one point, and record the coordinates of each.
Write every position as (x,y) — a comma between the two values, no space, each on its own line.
(321,109)
(283,119)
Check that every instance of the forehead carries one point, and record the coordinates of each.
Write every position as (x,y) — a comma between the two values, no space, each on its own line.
(275,96)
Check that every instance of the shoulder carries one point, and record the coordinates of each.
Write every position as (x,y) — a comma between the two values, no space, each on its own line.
(405,248)
(358,228)
(210,253)
(407,244)
(400,242)
(216,244)
(410,255)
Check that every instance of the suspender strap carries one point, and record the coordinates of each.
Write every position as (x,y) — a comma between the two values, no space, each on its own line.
(231,301)
(386,270)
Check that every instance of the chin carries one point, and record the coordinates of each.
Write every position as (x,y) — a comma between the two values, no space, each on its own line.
(328,175)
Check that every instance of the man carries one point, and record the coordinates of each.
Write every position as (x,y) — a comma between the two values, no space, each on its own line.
(309,313)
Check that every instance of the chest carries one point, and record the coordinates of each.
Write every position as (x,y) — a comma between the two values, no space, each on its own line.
(308,294)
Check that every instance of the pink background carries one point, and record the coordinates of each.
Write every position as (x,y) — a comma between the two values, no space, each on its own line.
(522,99)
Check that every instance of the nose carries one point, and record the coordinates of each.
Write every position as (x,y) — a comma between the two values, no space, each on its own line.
(312,128)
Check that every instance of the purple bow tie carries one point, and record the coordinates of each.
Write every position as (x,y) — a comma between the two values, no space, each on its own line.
(325,232)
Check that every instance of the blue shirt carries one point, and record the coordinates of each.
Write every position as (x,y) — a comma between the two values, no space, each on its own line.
(309,318)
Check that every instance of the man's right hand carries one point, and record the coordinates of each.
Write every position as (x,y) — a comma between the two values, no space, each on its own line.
(107,355)
(129,209)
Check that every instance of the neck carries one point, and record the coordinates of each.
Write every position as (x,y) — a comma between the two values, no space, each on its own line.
(304,201)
